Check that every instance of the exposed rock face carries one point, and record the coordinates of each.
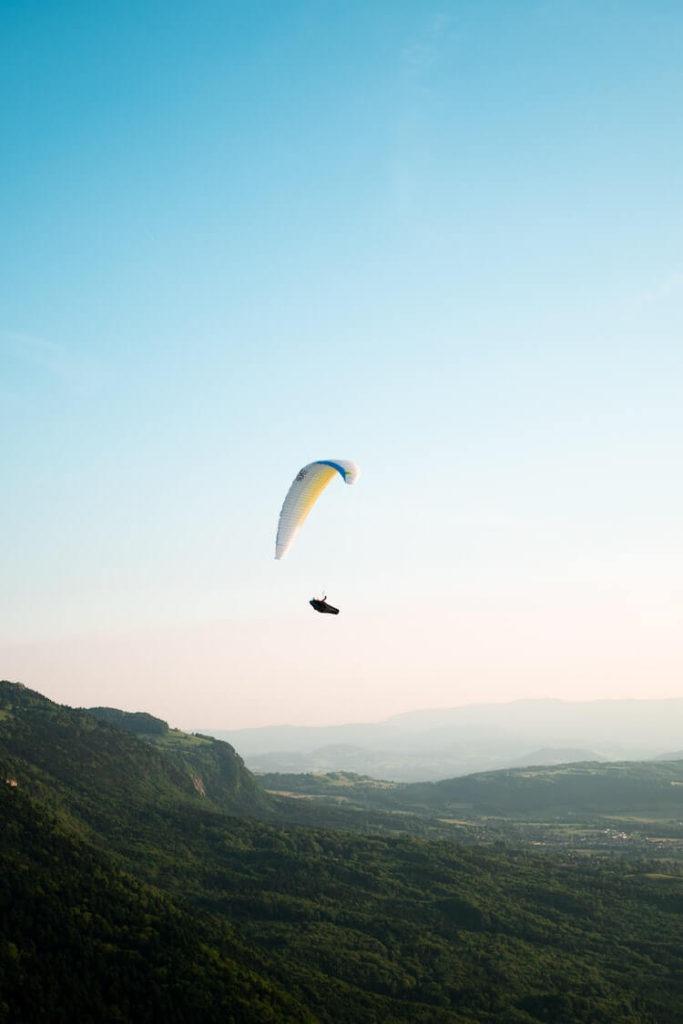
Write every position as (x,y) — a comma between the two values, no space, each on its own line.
(198,784)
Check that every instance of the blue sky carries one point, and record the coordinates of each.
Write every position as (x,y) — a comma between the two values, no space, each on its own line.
(443,240)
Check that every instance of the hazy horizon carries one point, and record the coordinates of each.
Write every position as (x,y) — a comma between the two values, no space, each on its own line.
(55,692)
(472,705)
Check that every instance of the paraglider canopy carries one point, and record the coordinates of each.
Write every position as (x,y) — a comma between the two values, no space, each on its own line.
(306,488)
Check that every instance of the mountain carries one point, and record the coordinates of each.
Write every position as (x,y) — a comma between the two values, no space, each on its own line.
(541,793)
(126,894)
(629,787)
(431,745)
(214,767)
(165,766)
(90,827)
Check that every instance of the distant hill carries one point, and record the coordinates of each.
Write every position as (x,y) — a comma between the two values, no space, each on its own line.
(580,789)
(432,745)
(127,895)
(550,792)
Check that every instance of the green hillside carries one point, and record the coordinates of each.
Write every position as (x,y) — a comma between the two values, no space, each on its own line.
(81,940)
(215,769)
(138,722)
(588,788)
(630,809)
(584,788)
(108,843)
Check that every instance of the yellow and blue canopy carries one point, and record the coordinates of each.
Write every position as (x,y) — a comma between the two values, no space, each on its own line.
(306,488)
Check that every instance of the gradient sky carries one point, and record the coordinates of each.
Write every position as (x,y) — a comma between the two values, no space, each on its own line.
(441,239)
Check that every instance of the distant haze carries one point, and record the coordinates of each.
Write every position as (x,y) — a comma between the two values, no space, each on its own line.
(439,744)
(361,666)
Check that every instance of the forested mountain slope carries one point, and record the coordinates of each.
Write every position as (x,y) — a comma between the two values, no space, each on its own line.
(82,940)
(216,770)
(107,842)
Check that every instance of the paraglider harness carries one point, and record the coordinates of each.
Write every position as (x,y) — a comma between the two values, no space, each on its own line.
(322,606)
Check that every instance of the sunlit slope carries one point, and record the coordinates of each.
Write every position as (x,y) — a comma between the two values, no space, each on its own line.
(92,770)
(109,780)
(214,767)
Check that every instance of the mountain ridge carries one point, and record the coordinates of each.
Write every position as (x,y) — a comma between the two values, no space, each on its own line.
(432,744)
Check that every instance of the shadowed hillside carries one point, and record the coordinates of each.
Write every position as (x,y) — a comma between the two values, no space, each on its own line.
(590,788)
(117,859)
(82,940)
(643,798)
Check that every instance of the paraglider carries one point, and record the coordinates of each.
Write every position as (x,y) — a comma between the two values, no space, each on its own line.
(321,605)
(306,488)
